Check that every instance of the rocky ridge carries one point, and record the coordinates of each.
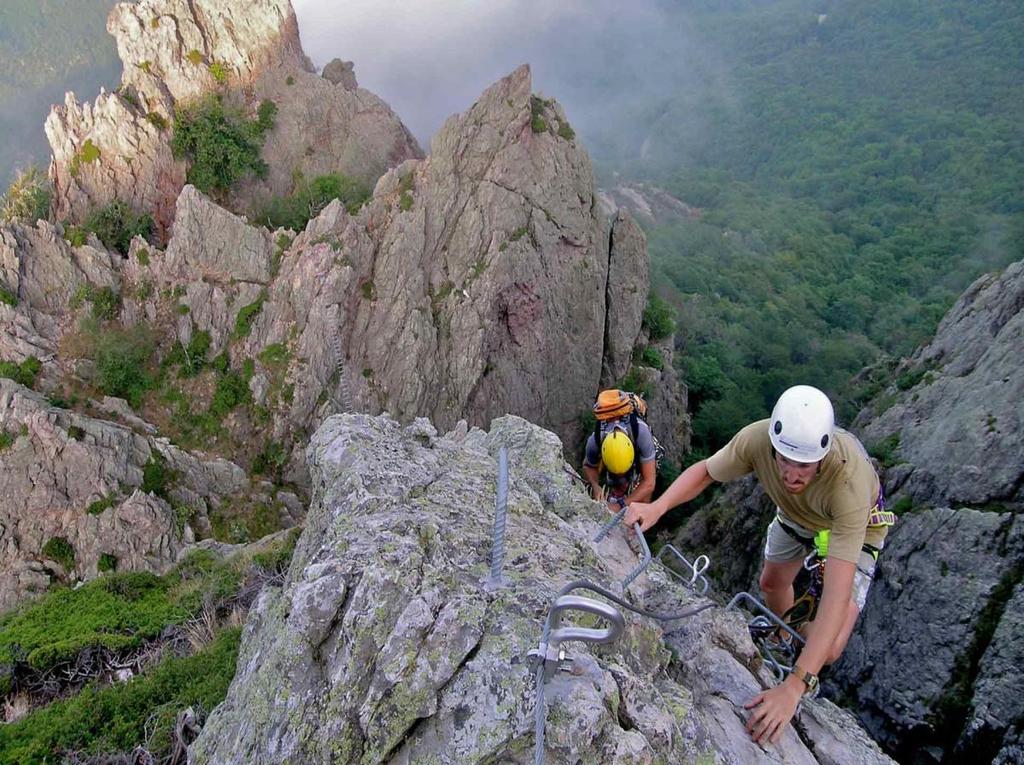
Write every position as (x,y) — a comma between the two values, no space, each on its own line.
(176,51)
(957,415)
(481,280)
(384,644)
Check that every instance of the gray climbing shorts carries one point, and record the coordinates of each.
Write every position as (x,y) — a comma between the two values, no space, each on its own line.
(781,547)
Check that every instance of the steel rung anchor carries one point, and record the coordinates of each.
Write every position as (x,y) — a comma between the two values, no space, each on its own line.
(645,560)
(697,569)
(610,526)
(549,651)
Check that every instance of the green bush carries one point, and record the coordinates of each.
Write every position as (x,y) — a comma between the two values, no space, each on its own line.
(97,507)
(309,198)
(27,198)
(659,318)
(651,357)
(60,550)
(635,381)
(6,440)
(405,202)
(116,225)
(88,154)
(107,562)
(271,461)
(122,357)
(194,57)
(156,477)
(105,304)
(120,717)
(885,450)
(24,373)
(537,122)
(219,142)
(242,522)
(265,115)
(7,297)
(247,315)
(231,391)
(76,236)
(565,131)
(274,355)
(219,72)
(195,353)
(157,120)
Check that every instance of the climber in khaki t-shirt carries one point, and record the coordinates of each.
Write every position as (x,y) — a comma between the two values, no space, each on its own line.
(819,476)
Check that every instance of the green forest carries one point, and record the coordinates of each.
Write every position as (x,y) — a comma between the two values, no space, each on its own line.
(857,166)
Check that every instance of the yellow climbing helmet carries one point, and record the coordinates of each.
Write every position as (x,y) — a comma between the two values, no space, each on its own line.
(617,452)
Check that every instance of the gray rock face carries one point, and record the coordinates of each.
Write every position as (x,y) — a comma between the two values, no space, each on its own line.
(45,274)
(647,202)
(474,283)
(933,667)
(627,276)
(385,646)
(210,244)
(341,73)
(961,427)
(732,529)
(61,463)
(175,51)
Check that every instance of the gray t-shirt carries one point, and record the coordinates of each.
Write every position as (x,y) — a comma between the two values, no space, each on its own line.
(644,446)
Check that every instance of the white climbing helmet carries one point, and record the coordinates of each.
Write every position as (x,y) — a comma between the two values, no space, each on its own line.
(802,424)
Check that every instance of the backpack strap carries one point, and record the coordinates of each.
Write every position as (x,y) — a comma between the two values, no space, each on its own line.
(634,426)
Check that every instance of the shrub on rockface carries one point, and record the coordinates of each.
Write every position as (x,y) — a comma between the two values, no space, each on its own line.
(23,373)
(119,613)
(220,143)
(310,197)
(659,318)
(117,224)
(122,357)
(27,198)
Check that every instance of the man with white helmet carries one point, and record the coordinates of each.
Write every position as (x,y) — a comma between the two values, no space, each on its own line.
(820,478)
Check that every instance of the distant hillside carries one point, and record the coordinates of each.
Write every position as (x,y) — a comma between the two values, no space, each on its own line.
(858,166)
(47,47)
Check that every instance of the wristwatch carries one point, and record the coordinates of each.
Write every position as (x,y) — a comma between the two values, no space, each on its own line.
(810,680)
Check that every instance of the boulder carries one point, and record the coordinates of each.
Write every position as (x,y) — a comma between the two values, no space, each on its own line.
(386,642)
(341,73)
(932,666)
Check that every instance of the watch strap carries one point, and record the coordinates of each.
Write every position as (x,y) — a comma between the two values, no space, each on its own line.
(807,678)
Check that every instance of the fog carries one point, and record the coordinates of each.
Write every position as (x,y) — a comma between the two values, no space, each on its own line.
(617,71)
(614,68)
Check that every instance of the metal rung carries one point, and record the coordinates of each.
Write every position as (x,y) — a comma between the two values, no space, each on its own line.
(549,651)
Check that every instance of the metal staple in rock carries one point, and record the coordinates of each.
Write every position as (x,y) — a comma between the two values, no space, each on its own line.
(608,527)
(544,668)
(343,399)
(500,511)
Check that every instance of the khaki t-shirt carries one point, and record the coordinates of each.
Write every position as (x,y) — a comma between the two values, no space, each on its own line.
(839,498)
